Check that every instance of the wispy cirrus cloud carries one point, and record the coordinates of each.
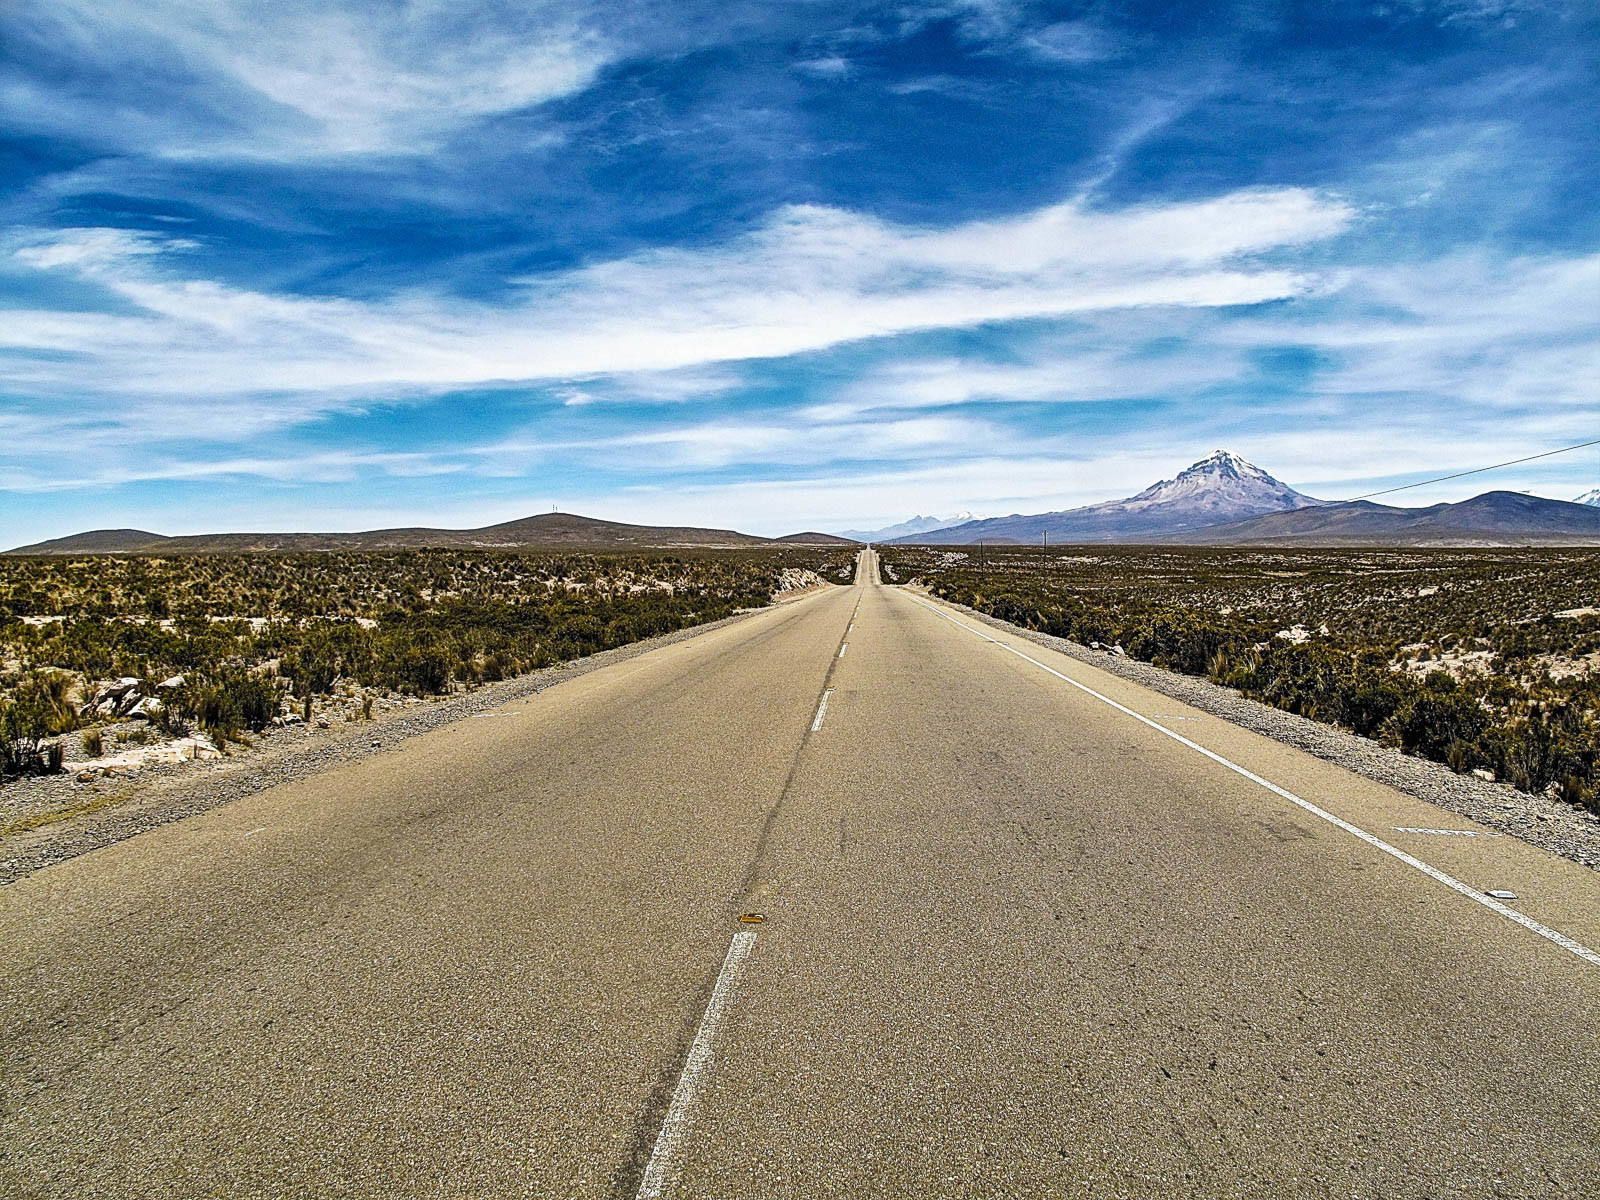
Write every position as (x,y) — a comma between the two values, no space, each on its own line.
(809,278)
(273,80)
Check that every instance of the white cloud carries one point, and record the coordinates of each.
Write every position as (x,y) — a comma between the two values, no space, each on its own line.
(1515,339)
(1057,375)
(290,79)
(1417,367)
(811,278)
(1076,42)
(829,66)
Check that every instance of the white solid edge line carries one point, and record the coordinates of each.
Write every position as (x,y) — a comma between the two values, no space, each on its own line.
(822,711)
(668,1152)
(1450,881)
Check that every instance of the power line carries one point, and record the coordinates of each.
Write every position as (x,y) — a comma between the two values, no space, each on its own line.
(1474,471)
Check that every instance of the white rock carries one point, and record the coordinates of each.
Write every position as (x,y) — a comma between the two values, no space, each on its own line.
(1482,773)
(175,681)
(185,749)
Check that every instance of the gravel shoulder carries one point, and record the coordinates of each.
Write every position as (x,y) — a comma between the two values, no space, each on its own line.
(70,818)
(1551,825)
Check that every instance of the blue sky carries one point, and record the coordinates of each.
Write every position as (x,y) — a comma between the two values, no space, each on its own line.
(777,265)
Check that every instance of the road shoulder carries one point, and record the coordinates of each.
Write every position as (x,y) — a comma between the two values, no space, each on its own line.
(1548,824)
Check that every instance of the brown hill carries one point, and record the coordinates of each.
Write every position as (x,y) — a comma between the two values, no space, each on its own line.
(545,531)
(95,541)
(811,538)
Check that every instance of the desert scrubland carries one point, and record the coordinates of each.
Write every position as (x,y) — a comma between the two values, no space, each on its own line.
(104,659)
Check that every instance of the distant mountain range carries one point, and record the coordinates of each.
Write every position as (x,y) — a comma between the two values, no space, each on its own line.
(1224,500)
(906,528)
(545,531)
(1492,519)
(1220,500)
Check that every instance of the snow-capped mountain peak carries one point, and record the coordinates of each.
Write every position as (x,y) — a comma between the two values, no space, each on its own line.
(917,524)
(1220,485)
(1592,496)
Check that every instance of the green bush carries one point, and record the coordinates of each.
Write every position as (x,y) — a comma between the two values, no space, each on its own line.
(225,703)
(1432,723)
(24,724)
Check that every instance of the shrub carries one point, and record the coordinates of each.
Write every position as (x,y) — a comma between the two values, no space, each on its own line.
(225,703)
(311,669)
(24,724)
(48,695)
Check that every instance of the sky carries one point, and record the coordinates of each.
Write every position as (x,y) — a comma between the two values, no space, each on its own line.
(782,265)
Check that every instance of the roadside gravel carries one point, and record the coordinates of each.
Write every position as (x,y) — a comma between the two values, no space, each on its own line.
(80,817)
(1551,825)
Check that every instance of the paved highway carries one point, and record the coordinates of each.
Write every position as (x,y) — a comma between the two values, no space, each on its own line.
(1017,941)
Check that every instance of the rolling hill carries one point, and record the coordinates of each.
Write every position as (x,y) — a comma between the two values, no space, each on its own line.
(812,538)
(545,531)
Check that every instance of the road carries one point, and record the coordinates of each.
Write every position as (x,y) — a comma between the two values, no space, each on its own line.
(1016,942)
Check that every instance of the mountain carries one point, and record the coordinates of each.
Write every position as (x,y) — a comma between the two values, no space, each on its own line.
(914,525)
(1220,488)
(545,531)
(95,541)
(1592,496)
(1492,519)
(819,539)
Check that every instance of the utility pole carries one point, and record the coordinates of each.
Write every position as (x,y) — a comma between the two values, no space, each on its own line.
(1047,539)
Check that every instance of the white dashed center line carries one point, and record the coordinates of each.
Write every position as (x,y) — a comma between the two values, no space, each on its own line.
(667,1157)
(843,648)
(822,711)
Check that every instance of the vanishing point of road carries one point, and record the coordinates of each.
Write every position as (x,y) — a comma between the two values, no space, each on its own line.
(1029,930)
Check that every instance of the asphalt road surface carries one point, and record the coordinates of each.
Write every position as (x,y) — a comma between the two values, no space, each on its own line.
(1017,941)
